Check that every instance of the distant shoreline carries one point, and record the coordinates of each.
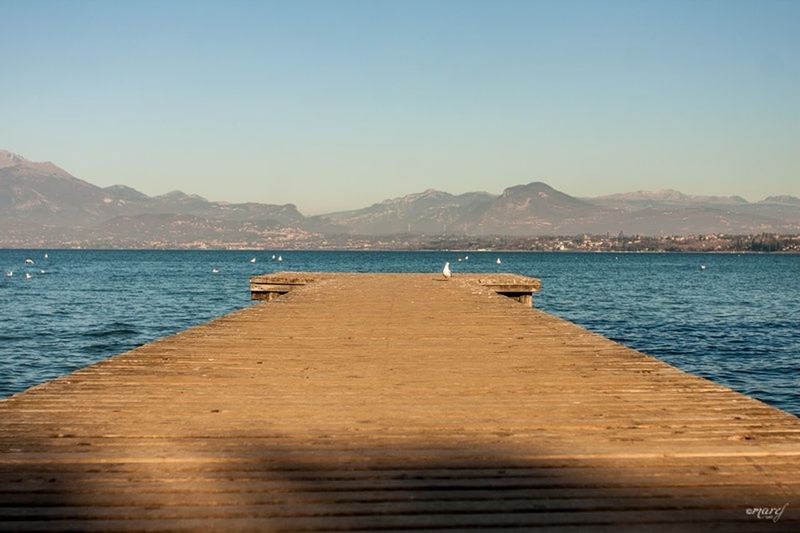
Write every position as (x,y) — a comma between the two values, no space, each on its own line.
(402,250)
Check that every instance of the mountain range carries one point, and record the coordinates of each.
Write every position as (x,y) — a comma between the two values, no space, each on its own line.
(42,204)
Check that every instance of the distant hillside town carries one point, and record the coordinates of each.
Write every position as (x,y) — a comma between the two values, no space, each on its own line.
(42,205)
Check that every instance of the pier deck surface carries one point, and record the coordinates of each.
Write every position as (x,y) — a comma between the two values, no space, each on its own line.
(392,401)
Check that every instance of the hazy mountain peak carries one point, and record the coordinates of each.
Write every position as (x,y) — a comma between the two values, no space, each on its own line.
(123,192)
(122,188)
(665,198)
(784,199)
(174,194)
(15,162)
(664,194)
(532,186)
(9,159)
(180,196)
(661,194)
(534,189)
(428,194)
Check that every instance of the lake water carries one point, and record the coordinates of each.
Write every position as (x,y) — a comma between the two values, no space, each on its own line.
(736,322)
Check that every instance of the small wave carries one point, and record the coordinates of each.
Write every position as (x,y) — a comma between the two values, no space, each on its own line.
(4,338)
(102,348)
(111,332)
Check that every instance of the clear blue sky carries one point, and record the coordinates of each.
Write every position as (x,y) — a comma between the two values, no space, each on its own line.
(338,104)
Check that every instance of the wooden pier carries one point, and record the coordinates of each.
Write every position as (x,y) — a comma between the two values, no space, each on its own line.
(393,402)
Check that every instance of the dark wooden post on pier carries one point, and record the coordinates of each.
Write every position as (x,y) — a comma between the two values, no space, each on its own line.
(520,288)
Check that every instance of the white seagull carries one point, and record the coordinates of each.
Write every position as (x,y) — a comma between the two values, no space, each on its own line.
(253,260)
(215,271)
(702,267)
(46,256)
(280,258)
(9,273)
(273,257)
(446,271)
(498,261)
(29,261)
(28,275)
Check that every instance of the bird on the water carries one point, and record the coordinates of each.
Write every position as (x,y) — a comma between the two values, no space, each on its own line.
(215,271)
(702,267)
(46,256)
(446,271)
(9,273)
(28,275)
(498,261)
(253,260)
(280,258)
(29,261)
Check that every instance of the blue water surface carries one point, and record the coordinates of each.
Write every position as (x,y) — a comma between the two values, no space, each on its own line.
(736,321)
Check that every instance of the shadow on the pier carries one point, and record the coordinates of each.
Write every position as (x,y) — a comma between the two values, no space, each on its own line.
(347,484)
